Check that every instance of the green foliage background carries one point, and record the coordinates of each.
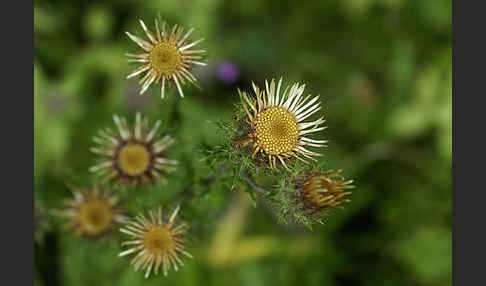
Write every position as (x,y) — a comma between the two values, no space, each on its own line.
(383,69)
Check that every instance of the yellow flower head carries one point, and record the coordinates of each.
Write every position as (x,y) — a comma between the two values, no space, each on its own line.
(277,130)
(157,242)
(167,57)
(133,157)
(93,212)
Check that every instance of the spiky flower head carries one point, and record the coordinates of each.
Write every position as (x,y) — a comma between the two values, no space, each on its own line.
(167,57)
(133,157)
(307,196)
(158,242)
(93,212)
(323,191)
(275,123)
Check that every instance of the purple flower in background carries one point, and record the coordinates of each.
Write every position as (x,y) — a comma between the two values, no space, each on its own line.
(227,72)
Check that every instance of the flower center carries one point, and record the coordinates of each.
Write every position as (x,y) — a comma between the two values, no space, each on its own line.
(158,240)
(165,58)
(134,159)
(277,131)
(95,216)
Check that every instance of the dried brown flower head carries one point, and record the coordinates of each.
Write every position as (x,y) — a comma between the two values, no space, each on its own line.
(321,191)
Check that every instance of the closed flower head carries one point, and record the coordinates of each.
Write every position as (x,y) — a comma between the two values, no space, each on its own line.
(167,57)
(93,212)
(277,130)
(324,191)
(157,243)
(133,157)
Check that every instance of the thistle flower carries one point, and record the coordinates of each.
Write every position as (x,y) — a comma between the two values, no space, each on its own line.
(275,122)
(308,196)
(133,157)
(93,212)
(158,244)
(323,191)
(167,57)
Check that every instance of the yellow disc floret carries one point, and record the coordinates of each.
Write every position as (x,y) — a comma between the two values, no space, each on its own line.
(276,130)
(95,217)
(165,58)
(158,240)
(134,159)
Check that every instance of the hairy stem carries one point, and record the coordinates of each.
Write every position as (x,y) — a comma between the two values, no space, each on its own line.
(256,186)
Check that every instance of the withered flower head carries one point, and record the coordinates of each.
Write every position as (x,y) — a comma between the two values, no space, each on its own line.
(167,57)
(157,242)
(321,191)
(275,122)
(133,157)
(93,212)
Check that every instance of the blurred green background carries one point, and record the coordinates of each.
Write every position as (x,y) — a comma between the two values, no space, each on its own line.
(383,69)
